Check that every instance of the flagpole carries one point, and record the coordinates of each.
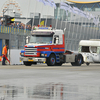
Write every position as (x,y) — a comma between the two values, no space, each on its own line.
(98,28)
(66,20)
(40,15)
(97,25)
(57,15)
(74,23)
(62,20)
(70,19)
(46,17)
(27,16)
(94,31)
(78,22)
(33,17)
(69,26)
(87,26)
(91,32)
(82,24)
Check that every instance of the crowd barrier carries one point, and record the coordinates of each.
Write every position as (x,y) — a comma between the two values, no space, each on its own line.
(13,30)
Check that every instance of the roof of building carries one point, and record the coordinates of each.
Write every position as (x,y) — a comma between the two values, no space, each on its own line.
(83,2)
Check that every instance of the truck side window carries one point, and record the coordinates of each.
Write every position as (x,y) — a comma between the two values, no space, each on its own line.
(56,39)
(94,49)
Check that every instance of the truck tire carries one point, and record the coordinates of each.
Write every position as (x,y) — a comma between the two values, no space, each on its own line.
(34,63)
(73,64)
(51,61)
(27,63)
(78,60)
(59,64)
(87,64)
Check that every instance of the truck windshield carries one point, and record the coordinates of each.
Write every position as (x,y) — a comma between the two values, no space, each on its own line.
(41,39)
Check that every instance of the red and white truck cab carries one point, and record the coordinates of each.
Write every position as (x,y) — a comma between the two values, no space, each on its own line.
(47,46)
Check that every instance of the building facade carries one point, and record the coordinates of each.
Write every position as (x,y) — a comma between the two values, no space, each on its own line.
(92,8)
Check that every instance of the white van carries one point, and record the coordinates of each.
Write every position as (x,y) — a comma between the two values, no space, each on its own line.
(90,50)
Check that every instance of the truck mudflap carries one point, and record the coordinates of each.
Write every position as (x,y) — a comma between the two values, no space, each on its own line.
(33,59)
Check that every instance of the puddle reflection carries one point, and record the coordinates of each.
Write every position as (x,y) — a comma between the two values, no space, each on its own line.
(50,91)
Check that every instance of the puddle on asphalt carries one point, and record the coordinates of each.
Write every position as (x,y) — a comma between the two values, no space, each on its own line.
(50,91)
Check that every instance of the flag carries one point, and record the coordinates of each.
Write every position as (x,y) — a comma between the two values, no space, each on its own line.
(96,20)
(91,16)
(88,16)
(65,7)
(82,14)
(76,10)
(42,1)
(70,9)
(50,3)
(42,23)
(13,19)
(54,5)
(85,15)
(62,7)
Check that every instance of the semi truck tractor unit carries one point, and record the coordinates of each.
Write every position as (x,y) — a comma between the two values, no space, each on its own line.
(48,46)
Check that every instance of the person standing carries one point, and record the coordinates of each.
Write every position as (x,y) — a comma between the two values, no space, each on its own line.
(4,54)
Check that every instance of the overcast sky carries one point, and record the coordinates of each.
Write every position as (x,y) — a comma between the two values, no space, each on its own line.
(28,6)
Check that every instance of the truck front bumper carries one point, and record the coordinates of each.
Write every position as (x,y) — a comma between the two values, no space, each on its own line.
(33,59)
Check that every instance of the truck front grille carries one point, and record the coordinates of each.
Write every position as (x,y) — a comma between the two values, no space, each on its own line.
(30,51)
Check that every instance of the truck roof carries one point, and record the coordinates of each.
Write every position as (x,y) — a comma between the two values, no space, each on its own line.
(89,43)
(47,31)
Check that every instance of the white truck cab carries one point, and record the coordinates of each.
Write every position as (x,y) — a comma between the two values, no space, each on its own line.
(90,50)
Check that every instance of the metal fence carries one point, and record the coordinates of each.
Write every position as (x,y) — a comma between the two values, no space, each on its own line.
(13,30)
(17,36)
(76,32)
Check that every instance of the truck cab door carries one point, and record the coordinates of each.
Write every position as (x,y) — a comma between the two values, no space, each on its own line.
(95,53)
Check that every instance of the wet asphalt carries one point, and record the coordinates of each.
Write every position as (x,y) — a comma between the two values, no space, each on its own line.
(42,82)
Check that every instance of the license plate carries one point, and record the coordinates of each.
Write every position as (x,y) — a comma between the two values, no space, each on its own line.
(30,60)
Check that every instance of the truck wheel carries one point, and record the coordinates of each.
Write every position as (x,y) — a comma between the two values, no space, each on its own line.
(73,64)
(78,60)
(51,60)
(27,63)
(34,63)
(87,64)
(59,64)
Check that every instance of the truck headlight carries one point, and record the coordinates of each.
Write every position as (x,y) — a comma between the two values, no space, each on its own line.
(43,55)
(22,54)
